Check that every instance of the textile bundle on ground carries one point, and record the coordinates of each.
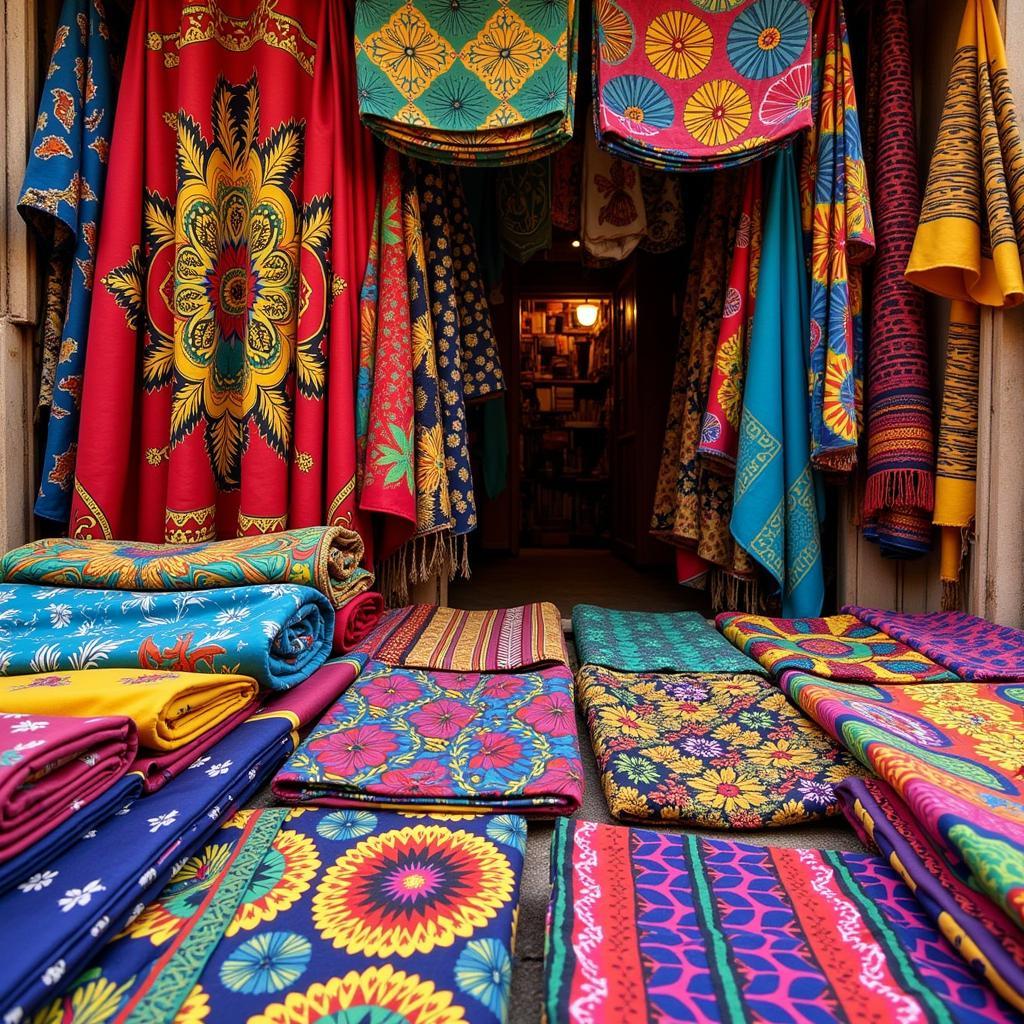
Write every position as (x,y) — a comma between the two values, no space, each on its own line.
(225,312)
(52,765)
(836,647)
(309,915)
(776,507)
(971,647)
(647,925)
(952,754)
(102,880)
(899,492)
(278,634)
(62,196)
(701,85)
(477,84)
(711,750)
(407,739)
(968,248)
(450,640)
(325,558)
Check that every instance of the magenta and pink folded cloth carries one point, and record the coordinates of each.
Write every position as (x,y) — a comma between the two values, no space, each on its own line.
(51,767)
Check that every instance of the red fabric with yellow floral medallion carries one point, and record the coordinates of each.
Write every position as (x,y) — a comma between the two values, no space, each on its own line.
(219,393)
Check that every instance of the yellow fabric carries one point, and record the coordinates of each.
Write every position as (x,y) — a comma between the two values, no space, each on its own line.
(170,709)
(972,217)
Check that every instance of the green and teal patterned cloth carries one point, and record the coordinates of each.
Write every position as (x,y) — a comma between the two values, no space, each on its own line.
(654,642)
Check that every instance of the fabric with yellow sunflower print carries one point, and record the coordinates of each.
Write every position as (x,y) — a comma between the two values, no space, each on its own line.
(708,750)
(700,86)
(953,756)
(304,915)
(468,83)
(219,389)
(837,220)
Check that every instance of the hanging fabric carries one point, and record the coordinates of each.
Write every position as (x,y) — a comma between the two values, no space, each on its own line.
(566,181)
(219,387)
(62,196)
(968,249)
(663,204)
(680,88)
(775,516)
(613,218)
(524,202)
(837,221)
(899,490)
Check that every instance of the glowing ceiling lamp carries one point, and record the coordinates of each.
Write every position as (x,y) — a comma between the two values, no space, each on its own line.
(586,314)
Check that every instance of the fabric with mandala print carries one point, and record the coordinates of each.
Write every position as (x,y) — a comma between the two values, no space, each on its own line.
(777,502)
(91,891)
(313,915)
(225,310)
(469,83)
(403,739)
(52,765)
(648,926)
(971,647)
(837,647)
(277,634)
(707,749)
(993,945)
(325,558)
(837,222)
(702,85)
(953,755)
(62,197)
(655,642)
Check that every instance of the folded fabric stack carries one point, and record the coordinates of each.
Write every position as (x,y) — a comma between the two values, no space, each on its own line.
(322,916)
(947,808)
(677,88)
(649,926)
(471,84)
(454,711)
(686,728)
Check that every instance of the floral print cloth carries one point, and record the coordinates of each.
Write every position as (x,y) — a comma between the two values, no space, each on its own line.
(468,83)
(613,217)
(714,83)
(52,766)
(478,742)
(708,750)
(325,558)
(836,647)
(304,915)
(277,634)
(654,642)
(648,926)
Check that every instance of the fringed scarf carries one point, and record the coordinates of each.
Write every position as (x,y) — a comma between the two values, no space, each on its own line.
(968,248)
(899,490)
(837,222)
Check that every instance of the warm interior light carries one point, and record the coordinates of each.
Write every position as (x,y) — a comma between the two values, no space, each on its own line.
(575,243)
(586,314)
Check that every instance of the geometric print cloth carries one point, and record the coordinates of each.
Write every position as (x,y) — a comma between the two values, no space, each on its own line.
(647,927)
(347,917)
(713,751)
(701,85)
(953,754)
(971,647)
(836,647)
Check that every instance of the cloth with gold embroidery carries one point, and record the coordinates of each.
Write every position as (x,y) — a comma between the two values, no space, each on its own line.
(225,309)
(837,221)
(968,248)
(715,83)
(326,558)
(775,515)
(62,196)
(468,83)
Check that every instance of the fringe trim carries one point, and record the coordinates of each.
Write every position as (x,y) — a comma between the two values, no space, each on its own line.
(418,560)
(893,488)
(953,590)
(730,592)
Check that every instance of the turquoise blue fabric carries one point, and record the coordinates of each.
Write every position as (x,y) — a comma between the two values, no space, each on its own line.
(627,641)
(279,634)
(775,516)
(62,195)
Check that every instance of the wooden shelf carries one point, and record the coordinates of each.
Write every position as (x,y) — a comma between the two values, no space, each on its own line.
(566,381)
